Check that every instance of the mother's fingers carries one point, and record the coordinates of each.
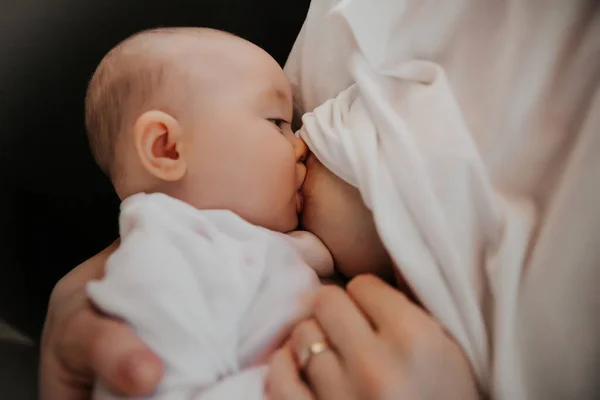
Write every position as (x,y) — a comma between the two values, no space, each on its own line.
(382,304)
(342,322)
(283,379)
(322,369)
(108,348)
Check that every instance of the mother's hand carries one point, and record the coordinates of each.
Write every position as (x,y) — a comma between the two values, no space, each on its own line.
(79,345)
(382,347)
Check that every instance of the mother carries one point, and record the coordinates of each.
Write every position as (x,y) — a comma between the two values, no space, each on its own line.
(522,103)
(507,66)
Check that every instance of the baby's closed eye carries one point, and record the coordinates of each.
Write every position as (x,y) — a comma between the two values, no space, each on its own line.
(278,122)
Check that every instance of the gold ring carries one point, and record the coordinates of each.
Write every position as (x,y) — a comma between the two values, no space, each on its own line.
(308,353)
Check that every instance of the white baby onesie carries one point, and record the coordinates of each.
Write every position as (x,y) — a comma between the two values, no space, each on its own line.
(208,292)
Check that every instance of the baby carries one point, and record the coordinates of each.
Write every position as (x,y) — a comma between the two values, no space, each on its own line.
(192,126)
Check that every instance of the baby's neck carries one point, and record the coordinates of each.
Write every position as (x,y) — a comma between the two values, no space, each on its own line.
(134,185)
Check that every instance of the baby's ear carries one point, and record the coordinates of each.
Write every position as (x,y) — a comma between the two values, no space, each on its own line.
(158,141)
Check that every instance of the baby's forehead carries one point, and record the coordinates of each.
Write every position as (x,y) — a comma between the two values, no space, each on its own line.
(204,50)
(184,63)
(236,63)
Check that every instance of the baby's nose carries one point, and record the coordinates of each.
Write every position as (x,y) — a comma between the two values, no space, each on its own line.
(301,150)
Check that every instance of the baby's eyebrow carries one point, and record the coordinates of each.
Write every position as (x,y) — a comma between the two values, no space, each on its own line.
(281,96)
(277,95)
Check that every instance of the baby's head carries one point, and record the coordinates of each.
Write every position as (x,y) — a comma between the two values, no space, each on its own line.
(203,116)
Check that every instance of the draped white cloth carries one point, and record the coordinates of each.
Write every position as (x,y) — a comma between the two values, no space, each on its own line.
(208,292)
(472,130)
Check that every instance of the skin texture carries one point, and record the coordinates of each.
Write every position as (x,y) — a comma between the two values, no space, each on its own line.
(335,212)
(391,348)
(79,343)
(385,346)
(376,353)
(224,139)
(241,135)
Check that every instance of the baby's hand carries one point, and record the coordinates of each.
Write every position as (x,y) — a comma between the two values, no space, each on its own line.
(314,252)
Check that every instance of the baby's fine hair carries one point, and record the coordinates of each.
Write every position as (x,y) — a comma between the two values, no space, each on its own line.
(125,82)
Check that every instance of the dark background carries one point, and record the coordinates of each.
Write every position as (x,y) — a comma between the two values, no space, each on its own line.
(56,208)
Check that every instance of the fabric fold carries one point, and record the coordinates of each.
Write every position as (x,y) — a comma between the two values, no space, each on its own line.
(400,138)
(209,293)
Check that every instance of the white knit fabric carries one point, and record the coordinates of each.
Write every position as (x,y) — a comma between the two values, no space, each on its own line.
(208,292)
